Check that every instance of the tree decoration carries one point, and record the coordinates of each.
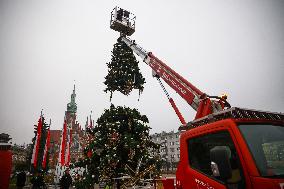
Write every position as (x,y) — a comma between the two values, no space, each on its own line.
(122,144)
(123,71)
(39,156)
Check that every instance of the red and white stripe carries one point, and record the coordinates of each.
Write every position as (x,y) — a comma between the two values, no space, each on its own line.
(47,143)
(70,141)
(68,144)
(63,144)
(37,143)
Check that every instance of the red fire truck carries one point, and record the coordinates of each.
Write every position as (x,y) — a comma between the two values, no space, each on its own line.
(224,146)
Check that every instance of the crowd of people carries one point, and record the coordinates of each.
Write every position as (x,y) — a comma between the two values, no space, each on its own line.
(37,180)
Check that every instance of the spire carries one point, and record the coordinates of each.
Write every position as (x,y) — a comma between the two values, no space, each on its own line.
(91,122)
(73,95)
(87,123)
(72,106)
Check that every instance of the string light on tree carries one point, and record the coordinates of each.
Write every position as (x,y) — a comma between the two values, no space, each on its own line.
(115,150)
(123,71)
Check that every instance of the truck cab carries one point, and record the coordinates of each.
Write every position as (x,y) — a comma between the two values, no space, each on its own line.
(234,149)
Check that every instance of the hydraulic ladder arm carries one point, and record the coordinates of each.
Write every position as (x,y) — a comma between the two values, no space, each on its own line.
(198,100)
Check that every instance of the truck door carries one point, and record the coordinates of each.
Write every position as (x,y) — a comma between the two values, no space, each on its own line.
(199,169)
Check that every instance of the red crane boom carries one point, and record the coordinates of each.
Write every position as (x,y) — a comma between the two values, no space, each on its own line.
(124,22)
(198,100)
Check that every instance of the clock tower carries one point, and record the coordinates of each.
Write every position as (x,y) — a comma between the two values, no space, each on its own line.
(72,106)
(76,133)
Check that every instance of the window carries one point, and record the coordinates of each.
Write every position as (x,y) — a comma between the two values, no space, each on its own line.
(199,156)
(266,143)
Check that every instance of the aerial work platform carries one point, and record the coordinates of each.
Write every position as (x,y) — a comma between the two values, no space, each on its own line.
(122,21)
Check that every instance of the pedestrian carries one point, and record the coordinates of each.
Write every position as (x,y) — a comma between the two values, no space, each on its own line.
(37,181)
(21,180)
(66,180)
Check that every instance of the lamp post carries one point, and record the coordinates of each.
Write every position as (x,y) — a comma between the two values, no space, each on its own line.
(167,163)
(165,154)
(165,144)
(172,163)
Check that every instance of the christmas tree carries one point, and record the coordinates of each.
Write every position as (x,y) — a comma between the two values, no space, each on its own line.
(123,71)
(39,154)
(119,145)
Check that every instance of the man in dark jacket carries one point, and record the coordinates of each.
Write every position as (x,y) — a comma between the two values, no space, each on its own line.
(37,181)
(66,180)
(21,179)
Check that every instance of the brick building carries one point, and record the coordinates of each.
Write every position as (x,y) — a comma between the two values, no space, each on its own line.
(54,147)
(77,141)
(77,135)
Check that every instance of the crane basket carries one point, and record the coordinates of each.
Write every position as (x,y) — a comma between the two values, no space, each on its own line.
(122,21)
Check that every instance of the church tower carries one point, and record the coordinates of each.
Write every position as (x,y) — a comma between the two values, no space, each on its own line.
(72,106)
(77,133)
(71,111)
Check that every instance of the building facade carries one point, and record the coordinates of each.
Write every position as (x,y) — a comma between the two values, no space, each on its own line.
(77,135)
(54,148)
(169,148)
(77,140)
(20,157)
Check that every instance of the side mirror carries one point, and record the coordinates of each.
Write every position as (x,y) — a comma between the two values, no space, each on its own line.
(220,162)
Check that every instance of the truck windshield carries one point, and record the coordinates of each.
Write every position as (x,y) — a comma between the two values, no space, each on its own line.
(266,143)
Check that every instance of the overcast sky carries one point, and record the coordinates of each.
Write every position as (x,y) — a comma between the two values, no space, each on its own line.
(220,46)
